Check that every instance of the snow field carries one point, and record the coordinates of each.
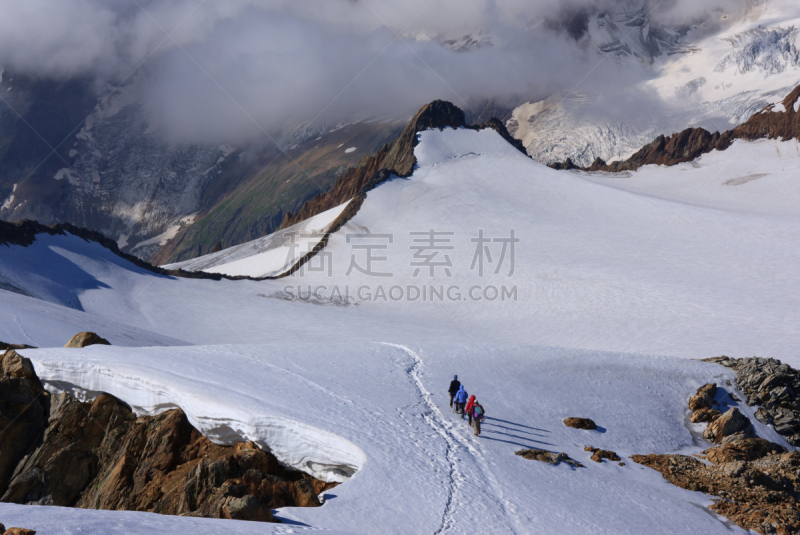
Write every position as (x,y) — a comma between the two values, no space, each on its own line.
(269,256)
(419,456)
(610,272)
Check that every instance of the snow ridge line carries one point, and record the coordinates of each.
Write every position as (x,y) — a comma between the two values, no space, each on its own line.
(445,428)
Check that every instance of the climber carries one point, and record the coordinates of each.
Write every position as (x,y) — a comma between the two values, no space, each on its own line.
(468,409)
(461,400)
(454,386)
(477,416)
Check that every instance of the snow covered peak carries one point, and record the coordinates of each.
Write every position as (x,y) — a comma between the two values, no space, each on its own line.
(434,147)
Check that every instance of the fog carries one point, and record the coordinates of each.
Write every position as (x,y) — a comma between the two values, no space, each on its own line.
(228,70)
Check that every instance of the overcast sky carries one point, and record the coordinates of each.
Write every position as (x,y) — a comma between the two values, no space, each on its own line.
(218,70)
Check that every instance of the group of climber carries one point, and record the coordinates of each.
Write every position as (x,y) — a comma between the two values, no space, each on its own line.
(464,404)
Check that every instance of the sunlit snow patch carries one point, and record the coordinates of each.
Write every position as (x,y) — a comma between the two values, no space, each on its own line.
(222,415)
(270,256)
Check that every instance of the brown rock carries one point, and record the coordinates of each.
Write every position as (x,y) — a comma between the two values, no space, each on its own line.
(757,495)
(23,412)
(395,159)
(580,423)
(19,531)
(622,464)
(548,457)
(703,398)
(12,364)
(748,449)
(704,415)
(733,425)
(86,339)
(99,455)
(599,455)
(691,143)
(246,508)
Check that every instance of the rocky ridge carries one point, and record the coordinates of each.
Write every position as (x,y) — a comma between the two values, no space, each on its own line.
(393,159)
(781,121)
(59,451)
(756,482)
(774,386)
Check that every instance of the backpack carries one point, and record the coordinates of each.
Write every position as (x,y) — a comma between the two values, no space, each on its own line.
(477,411)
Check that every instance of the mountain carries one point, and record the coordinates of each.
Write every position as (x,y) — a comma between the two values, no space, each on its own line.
(114,174)
(775,121)
(712,74)
(616,286)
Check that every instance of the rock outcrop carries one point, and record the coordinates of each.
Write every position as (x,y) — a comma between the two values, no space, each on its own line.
(548,457)
(86,339)
(748,449)
(23,412)
(598,455)
(16,531)
(773,122)
(774,386)
(60,451)
(394,159)
(730,427)
(757,484)
(580,423)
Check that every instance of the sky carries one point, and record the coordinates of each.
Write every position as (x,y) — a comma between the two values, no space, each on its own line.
(222,70)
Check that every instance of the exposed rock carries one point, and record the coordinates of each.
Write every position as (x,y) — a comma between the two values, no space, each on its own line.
(774,386)
(704,415)
(691,143)
(14,365)
(394,159)
(599,455)
(758,489)
(19,531)
(23,412)
(622,464)
(763,416)
(748,449)
(733,425)
(86,339)
(548,457)
(704,397)
(580,423)
(99,455)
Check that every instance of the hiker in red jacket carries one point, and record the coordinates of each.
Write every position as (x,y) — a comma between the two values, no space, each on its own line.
(477,414)
(468,409)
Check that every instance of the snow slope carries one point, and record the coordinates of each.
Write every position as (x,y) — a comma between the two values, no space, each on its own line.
(610,272)
(419,457)
(269,256)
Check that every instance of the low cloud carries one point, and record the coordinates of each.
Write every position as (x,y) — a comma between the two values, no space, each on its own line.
(224,70)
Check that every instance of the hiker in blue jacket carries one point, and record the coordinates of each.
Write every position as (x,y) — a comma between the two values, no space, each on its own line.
(461,400)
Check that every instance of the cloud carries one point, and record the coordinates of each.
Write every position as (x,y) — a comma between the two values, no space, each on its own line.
(224,70)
